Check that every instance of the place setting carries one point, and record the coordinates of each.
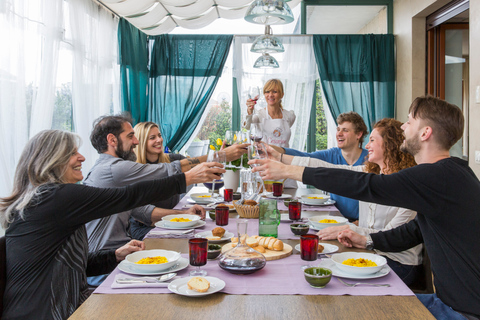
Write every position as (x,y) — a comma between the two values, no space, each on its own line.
(316,200)
(180,222)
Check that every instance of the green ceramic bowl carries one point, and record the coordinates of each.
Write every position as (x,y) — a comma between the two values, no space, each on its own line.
(317,277)
(214,251)
(211,214)
(299,229)
(287,201)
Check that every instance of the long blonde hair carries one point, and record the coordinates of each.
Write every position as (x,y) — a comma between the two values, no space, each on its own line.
(142,131)
(277,85)
(43,162)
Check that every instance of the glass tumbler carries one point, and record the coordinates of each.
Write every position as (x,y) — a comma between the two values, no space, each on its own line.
(198,255)
(221,215)
(309,247)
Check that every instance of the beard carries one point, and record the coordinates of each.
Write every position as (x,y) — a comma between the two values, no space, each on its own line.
(410,146)
(125,154)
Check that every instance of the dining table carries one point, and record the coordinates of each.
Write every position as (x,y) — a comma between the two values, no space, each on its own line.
(278,291)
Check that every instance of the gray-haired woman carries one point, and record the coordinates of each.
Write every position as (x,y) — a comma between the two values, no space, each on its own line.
(44,217)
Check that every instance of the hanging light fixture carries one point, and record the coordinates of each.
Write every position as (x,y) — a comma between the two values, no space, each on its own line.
(266,61)
(269,12)
(267,43)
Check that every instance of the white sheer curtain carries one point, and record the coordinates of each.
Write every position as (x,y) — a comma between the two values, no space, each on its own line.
(32,33)
(297,71)
(95,70)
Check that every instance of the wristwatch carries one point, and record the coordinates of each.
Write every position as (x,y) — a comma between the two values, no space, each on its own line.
(369,244)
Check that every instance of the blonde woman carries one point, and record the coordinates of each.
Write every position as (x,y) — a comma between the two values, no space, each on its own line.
(150,150)
(274,121)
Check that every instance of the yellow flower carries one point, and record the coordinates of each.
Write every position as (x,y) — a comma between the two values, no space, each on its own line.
(212,147)
(219,142)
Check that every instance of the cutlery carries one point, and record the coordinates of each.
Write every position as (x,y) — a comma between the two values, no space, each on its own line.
(162,278)
(362,283)
(170,232)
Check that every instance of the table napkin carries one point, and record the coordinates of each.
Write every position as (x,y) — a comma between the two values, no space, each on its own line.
(116,285)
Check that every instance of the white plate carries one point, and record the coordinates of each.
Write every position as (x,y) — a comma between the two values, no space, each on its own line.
(269,195)
(205,234)
(161,224)
(326,203)
(328,263)
(318,229)
(207,201)
(179,286)
(327,248)
(181,264)
(213,205)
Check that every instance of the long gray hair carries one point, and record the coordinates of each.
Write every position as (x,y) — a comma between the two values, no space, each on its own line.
(43,161)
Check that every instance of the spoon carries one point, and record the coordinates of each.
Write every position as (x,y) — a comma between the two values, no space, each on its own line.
(162,278)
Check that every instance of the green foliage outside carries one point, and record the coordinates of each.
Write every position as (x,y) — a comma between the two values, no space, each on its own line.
(321,121)
(62,114)
(218,121)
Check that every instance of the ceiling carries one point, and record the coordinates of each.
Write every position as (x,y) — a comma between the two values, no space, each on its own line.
(162,16)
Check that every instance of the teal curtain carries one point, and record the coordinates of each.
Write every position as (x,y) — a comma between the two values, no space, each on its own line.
(357,73)
(184,71)
(133,60)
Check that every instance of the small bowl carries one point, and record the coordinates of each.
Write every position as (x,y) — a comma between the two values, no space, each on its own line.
(211,214)
(314,221)
(218,184)
(299,229)
(213,251)
(237,195)
(204,198)
(315,198)
(317,277)
(192,217)
(340,257)
(287,201)
(133,258)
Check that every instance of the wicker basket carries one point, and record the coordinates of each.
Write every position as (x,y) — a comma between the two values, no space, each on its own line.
(247,211)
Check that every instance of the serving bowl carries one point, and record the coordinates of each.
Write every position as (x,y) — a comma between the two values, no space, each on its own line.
(218,184)
(320,225)
(247,211)
(133,258)
(299,229)
(214,251)
(287,201)
(317,277)
(193,220)
(315,198)
(340,257)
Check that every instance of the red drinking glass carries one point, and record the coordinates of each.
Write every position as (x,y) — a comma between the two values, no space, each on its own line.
(228,195)
(309,247)
(198,255)
(221,215)
(277,188)
(294,210)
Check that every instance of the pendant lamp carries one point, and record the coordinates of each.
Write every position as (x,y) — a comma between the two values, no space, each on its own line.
(266,61)
(269,12)
(267,43)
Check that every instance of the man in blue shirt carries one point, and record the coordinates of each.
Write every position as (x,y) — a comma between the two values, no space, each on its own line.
(351,131)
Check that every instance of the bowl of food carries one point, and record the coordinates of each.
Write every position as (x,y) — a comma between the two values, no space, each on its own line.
(202,197)
(358,263)
(181,220)
(317,277)
(299,229)
(322,222)
(152,260)
(315,198)
(218,184)
(213,251)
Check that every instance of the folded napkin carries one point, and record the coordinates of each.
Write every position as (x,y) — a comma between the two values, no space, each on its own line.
(116,285)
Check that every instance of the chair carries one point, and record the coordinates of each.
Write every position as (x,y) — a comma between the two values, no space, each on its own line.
(3,270)
(425,284)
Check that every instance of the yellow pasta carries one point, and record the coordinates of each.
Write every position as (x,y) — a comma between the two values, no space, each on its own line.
(327,221)
(359,263)
(153,260)
(180,220)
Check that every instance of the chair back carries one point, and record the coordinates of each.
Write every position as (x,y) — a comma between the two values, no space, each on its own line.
(3,270)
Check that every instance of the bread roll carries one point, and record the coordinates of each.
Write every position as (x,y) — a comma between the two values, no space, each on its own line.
(214,238)
(252,242)
(218,232)
(198,284)
(320,248)
(259,249)
(278,245)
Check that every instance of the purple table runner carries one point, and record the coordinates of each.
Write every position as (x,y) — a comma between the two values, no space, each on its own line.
(283,276)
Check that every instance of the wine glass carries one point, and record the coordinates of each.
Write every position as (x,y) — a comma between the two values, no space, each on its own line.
(229,140)
(216,156)
(256,133)
(198,255)
(240,137)
(254,93)
(257,150)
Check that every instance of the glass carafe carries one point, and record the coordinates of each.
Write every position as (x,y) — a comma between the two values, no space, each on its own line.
(242,259)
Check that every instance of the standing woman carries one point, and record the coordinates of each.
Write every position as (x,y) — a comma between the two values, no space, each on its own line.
(274,121)
(44,218)
(150,150)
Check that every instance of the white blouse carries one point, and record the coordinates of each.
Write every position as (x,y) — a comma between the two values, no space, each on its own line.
(374,217)
(262,114)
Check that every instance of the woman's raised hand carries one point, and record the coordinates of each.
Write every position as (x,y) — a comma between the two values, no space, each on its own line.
(251,105)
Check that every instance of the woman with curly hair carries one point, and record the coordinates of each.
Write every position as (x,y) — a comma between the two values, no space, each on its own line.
(384,157)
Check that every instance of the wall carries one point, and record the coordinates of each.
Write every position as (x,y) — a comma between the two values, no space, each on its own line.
(409,29)
(376,25)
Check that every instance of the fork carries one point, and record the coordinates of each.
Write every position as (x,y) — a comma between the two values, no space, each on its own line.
(362,283)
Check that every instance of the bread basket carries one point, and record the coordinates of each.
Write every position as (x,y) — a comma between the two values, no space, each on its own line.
(247,211)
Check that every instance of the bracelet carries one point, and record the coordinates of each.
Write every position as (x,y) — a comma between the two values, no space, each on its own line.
(281,157)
